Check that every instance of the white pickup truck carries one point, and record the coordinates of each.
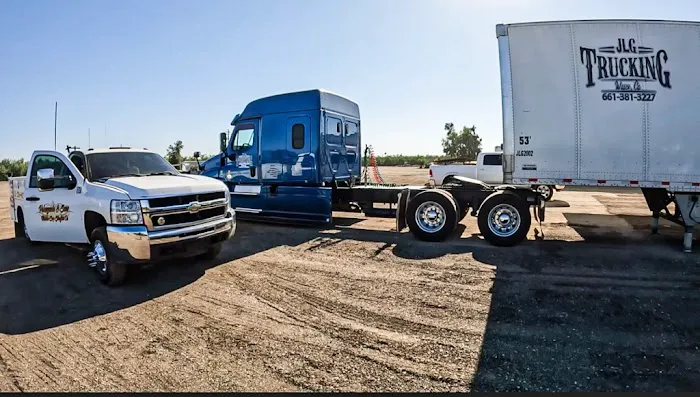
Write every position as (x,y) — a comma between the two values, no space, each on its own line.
(487,168)
(124,206)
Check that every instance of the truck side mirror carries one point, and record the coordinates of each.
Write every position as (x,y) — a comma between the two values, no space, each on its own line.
(196,155)
(45,179)
(222,142)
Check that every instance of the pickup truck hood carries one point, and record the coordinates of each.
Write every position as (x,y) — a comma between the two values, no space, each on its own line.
(141,187)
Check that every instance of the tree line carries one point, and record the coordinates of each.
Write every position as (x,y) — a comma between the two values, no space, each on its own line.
(464,143)
(9,167)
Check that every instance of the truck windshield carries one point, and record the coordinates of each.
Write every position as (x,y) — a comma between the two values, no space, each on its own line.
(103,166)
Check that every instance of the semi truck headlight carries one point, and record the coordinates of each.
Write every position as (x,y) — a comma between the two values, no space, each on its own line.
(126,212)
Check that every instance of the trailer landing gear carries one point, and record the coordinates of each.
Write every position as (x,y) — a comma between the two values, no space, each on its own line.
(686,212)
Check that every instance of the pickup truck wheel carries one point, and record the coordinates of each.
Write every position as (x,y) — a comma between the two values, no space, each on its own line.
(431,215)
(109,273)
(504,220)
(547,192)
(21,230)
(212,252)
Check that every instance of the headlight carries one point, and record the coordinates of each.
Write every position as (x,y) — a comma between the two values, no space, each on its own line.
(126,212)
(228,197)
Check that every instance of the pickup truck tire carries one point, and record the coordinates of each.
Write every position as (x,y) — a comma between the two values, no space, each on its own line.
(21,230)
(109,272)
(212,252)
(431,215)
(504,219)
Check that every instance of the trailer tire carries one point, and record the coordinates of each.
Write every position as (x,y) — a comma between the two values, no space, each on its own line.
(432,215)
(504,219)
(109,272)
(546,191)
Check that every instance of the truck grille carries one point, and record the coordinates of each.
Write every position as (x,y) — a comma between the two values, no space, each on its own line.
(186,217)
(182,200)
(181,211)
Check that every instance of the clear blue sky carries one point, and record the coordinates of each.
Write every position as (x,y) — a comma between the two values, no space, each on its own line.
(156,71)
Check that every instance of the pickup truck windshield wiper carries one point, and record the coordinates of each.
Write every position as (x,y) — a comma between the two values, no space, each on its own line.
(104,178)
(160,173)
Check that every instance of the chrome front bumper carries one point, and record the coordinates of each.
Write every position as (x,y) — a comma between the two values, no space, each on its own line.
(135,243)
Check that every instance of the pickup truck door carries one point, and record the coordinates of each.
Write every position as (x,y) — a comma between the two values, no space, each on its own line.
(491,169)
(55,214)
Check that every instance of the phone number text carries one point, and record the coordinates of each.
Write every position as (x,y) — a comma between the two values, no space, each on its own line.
(628,96)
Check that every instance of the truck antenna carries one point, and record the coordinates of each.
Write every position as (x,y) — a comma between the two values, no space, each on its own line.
(55,119)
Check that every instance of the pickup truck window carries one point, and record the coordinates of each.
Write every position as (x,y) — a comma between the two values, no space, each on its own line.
(115,164)
(79,163)
(64,177)
(493,159)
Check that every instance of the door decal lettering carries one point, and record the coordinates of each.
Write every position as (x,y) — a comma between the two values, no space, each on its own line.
(54,212)
(243,160)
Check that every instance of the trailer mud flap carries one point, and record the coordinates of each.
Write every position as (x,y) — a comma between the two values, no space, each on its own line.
(401,210)
(540,210)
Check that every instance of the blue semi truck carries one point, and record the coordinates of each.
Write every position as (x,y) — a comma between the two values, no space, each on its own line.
(297,157)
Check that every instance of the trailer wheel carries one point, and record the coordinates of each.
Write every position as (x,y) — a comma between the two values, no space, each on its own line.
(431,215)
(546,191)
(109,272)
(504,219)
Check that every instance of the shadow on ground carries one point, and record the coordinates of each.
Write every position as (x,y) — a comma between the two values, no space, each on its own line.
(49,285)
(563,315)
(624,229)
(583,318)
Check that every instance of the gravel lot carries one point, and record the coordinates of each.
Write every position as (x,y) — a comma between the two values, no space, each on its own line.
(597,304)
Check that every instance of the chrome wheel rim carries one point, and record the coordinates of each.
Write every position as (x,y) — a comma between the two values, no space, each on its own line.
(504,220)
(97,258)
(544,190)
(430,217)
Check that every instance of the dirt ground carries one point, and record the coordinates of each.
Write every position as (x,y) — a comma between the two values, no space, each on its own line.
(590,302)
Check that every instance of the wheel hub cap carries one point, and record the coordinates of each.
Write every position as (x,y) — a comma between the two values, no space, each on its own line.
(98,257)
(504,220)
(430,217)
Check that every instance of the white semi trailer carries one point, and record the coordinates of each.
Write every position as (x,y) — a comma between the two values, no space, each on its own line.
(605,103)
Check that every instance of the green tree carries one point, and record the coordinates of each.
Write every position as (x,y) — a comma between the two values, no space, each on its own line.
(404,160)
(463,144)
(202,157)
(9,167)
(174,154)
